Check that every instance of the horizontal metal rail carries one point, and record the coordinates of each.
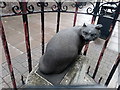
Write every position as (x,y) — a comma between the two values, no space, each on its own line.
(37,12)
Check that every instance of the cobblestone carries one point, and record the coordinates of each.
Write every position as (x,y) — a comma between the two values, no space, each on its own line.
(25,64)
(4,73)
(18,77)
(1,80)
(4,85)
(36,52)
(14,61)
(19,84)
(5,67)
(10,84)
(20,68)
(22,58)
(35,63)
(26,74)
(16,71)
(36,58)
(7,78)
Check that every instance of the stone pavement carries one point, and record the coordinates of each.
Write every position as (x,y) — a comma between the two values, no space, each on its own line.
(20,66)
(15,37)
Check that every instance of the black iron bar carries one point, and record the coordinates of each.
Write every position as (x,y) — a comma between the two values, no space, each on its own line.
(42,26)
(107,40)
(113,70)
(22,79)
(88,70)
(7,54)
(58,16)
(35,12)
(26,30)
(100,80)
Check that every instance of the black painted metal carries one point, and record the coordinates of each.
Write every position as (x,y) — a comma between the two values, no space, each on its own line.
(95,11)
(58,16)
(88,70)
(42,25)
(2,4)
(22,79)
(106,22)
(113,70)
(63,9)
(26,30)
(100,80)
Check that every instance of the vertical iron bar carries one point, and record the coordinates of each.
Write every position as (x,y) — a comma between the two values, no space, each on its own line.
(26,30)
(42,26)
(99,80)
(96,10)
(107,40)
(88,70)
(8,58)
(22,79)
(58,16)
(75,16)
(113,70)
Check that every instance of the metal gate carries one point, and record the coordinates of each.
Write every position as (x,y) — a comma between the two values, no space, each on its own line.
(59,7)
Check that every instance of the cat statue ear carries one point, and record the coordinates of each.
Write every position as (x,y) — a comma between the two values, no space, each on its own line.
(99,26)
(84,25)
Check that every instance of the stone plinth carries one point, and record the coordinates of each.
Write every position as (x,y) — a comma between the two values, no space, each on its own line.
(74,76)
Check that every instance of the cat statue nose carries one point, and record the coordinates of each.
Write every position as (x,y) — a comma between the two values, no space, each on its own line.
(87,39)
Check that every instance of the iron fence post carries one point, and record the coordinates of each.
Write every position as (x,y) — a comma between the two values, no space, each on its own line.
(7,55)
(42,25)
(26,30)
(58,16)
(100,80)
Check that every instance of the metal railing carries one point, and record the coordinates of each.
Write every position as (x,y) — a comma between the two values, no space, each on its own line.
(24,9)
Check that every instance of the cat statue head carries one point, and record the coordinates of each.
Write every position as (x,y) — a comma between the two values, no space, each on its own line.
(90,32)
